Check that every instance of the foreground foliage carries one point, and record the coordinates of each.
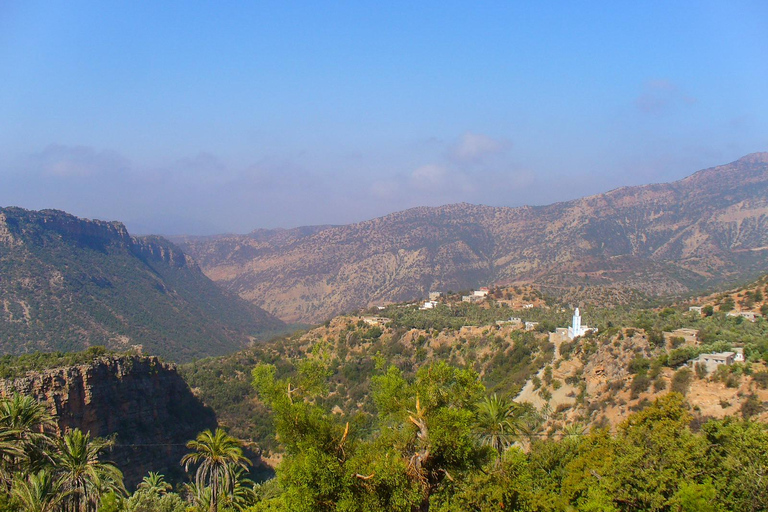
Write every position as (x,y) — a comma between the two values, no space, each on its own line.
(439,443)
(41,471)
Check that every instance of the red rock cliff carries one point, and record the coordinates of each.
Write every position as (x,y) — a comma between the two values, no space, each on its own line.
(143,401)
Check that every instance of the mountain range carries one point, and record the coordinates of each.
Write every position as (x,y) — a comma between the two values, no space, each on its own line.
(655,240)
(68,283)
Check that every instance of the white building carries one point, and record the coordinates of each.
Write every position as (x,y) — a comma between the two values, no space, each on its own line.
(749,315)
(430,304)
(576,329)
(712,361)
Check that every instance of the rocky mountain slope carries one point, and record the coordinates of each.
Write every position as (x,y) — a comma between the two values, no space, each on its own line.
(141,400)
(662,239)
(68,283)
(635,356)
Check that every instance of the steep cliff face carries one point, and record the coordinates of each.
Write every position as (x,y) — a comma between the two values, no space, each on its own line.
(68,283)
(141,400)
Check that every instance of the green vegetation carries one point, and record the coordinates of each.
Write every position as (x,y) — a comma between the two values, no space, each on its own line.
(438,442)
(504,359)
(16,366)
(41,471)
(416,414)
(70,284)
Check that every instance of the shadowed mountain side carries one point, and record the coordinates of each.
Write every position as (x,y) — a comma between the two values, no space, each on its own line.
(68,283)
(659,239)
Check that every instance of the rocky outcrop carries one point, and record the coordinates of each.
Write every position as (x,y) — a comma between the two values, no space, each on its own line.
(143,402)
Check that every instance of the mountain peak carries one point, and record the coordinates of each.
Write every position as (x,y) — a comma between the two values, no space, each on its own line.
(667,238)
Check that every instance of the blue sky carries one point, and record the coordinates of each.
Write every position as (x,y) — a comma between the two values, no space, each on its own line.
(202,117)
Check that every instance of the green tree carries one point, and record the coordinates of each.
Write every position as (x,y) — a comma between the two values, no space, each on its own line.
(39,492)
(144,500)
(84,476)
(430,423)
(26,423)
(737,458)
(495,423)
(655,453)
(155,482)
(217,456)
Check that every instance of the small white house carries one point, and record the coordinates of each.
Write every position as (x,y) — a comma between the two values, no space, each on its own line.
(712,361)
(695,309)
(529,326)
(430,304)
(749,315)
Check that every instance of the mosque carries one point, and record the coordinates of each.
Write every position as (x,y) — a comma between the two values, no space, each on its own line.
(575,330)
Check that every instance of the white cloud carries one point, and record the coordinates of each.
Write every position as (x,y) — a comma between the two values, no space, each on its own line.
(660,96)
(429,176)
(76,162)
(474,146)
(384,189)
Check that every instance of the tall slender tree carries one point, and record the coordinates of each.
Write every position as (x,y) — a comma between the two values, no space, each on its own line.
(27,424)
(495,424)
(218,455)
(83,474)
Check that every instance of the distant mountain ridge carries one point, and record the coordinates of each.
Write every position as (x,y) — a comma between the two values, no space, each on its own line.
(67,283)
(659,239)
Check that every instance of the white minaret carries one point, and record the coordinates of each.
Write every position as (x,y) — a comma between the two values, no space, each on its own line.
(575,329)
(576,323)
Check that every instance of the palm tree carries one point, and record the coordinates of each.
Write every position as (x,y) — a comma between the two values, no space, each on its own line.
(242,494)
(11,451)
(218,455)
(155,482)
(495,423)
(83,474)
(200,497)
(574,431)
(27,423)
(39,492)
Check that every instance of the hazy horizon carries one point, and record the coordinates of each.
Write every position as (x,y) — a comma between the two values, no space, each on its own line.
(215,119)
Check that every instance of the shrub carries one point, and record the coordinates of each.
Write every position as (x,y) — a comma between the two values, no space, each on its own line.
(727,305)
(639,364)
(761,379)
(681,355)
(681,381)
(640,383)
(676,341)
(701,370)
(751,406)
(656,338)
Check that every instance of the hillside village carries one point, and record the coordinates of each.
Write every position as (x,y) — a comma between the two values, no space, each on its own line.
(528,347)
